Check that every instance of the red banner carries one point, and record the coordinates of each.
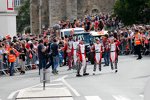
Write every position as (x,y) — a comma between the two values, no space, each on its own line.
(10,4)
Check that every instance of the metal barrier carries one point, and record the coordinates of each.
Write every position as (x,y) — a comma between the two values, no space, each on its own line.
(3,66)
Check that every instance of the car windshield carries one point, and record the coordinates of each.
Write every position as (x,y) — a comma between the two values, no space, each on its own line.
(69,32)
(85,37)
(78,31)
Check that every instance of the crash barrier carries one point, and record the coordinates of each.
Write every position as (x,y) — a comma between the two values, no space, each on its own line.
(126,49)
(4,65)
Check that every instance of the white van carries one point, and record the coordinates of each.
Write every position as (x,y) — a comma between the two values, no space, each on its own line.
(67,32)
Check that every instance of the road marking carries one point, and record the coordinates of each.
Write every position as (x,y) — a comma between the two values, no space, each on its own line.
(120,97)
(15,92)
(58,84)
(69,86)
(93,98)
(142,96)
(66,99)
(11,96)
(60,79)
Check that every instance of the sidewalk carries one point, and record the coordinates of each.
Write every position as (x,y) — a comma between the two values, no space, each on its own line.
(52,92)
(147,91)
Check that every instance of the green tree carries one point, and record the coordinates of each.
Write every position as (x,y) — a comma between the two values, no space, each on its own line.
(132,11)
(23,17)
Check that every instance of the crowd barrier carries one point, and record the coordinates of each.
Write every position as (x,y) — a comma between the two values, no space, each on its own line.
(4,66)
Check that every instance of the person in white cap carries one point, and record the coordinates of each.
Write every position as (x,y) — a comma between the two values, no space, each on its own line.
(98,55)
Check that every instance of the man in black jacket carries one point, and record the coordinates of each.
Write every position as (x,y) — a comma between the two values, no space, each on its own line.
(55,55)
(41,55)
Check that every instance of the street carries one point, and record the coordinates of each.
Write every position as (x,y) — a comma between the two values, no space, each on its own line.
(127,84)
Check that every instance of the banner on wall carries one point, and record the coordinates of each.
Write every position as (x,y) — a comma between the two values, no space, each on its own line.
(10,4)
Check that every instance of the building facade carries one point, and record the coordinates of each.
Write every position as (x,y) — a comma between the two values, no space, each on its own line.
(7,18)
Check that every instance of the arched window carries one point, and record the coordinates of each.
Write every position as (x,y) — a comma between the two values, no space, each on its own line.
(95,11)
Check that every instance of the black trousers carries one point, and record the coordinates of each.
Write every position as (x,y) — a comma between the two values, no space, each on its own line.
(138,51)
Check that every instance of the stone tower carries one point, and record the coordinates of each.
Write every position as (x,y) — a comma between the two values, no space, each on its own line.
(55,10)
(34,16)
(37,19)
(70,9)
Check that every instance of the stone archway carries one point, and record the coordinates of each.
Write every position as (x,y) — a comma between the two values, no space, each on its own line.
(95,11)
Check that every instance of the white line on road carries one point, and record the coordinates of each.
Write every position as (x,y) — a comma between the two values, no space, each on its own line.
(142,96)
(120,97)
(11,96)
(58,84)
(66,99)
(93,98)
(15,92)
(69,86)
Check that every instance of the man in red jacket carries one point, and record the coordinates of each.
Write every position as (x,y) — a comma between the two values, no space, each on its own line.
(81,59)
(114,54)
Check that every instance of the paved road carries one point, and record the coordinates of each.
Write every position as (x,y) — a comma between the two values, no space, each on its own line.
(127,84)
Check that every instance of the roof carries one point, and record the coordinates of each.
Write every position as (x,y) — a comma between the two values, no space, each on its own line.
(101,33)
(70,29)
(81,33)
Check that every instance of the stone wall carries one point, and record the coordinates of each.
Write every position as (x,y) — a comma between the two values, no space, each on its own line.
(71,9)
(45,13)
(34,16)
(55,10)
(94,6)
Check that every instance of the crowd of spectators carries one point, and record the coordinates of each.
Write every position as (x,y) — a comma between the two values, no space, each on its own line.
(25,46)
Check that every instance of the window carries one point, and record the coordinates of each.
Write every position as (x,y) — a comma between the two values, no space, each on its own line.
(17,2)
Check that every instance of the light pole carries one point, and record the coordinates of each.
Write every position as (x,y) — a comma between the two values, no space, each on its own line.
(40,31)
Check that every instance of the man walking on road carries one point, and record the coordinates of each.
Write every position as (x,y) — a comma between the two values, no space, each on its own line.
(114,55)
(106,44)
(98,55)
(81,59)
(41,55)
(55,55)
(75,45)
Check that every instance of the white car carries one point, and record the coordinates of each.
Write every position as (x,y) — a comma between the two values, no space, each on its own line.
(70,31)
